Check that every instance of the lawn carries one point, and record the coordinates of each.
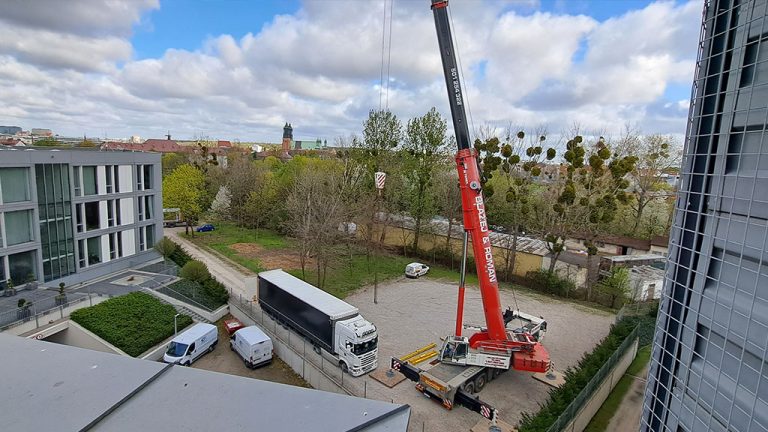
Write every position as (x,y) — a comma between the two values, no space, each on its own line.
(134,322)
(227,234)
(603,416)
(348,275)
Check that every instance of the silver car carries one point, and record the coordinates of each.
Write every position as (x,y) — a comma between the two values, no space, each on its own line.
(415,270)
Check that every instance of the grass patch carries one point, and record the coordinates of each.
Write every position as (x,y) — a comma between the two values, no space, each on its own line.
(348,275)
(606,412)
(134,322)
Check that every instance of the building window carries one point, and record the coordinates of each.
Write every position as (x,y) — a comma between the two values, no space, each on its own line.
(3,277)
(119,244)
(22,267)
(142,243)
(141,209)
(92,216)
(150,236)
(18,227)
(148,206)
(14,185)
(111,213)
(79,217)
(82,252)
(77,173)
(94,250)
(117,212)
(108,173)
(143,177)
(89,180)
(112,246)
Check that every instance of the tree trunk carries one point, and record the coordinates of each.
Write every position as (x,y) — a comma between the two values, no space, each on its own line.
(448,237)
(318,269)
(641,203)
(553,261)
(416,234)
(588,280)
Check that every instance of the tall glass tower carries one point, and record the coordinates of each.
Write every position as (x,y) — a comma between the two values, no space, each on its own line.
(708,368)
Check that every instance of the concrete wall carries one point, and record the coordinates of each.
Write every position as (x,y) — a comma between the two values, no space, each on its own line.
(588,410)
(292,350)
(77,336)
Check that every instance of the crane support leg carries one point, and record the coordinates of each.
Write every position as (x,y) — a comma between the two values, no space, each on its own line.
(460,303)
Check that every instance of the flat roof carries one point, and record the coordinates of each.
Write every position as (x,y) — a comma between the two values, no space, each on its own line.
(193,333)
(252,334)
(68,388)
(319,299)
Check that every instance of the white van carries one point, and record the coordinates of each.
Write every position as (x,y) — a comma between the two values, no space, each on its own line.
(186,347)
(252,345)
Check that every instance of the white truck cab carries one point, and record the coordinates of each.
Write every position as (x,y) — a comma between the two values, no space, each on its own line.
(188,346)
(357,345)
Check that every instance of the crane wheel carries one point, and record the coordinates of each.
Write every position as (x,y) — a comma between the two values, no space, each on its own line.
(480,382)
(470,387)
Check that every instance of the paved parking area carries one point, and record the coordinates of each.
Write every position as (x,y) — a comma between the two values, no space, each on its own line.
(413,313)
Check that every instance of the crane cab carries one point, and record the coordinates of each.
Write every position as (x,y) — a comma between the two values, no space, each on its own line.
(456,350)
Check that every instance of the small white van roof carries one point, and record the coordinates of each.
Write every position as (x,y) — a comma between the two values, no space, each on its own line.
(194,333)
(252,335)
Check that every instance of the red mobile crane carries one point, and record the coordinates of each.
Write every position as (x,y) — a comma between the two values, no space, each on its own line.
(466,364)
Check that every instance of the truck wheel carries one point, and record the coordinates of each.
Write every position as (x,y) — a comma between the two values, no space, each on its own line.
(211,348)
(480,382)
(469,387)
(344,367)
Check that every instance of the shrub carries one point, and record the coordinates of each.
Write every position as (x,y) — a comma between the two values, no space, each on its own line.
(180,256)
(216,291)
(211,294)
(166,247)
(134,322)
(195,271)
(551,283)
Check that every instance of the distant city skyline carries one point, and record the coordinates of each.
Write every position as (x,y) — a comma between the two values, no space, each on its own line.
(240,70)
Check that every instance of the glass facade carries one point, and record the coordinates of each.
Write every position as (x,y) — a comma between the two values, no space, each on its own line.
(709,368)
(21,267)
(89,180)
(18,227)
(14,184)
(55,207)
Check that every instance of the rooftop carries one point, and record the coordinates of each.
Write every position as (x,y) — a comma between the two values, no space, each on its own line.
(68,388)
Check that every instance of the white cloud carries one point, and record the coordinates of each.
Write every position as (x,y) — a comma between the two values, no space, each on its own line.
(319,69)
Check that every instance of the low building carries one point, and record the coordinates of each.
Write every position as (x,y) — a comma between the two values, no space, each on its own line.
(611,245)
(40,132)
(73,214)
(660,245)
(645,283)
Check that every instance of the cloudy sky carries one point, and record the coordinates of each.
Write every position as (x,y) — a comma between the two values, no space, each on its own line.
(241,69)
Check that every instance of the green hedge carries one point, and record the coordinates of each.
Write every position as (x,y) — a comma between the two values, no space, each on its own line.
(576,379)
(134,322)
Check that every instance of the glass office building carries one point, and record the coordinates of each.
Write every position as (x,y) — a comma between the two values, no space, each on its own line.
(708,368)
(74,214)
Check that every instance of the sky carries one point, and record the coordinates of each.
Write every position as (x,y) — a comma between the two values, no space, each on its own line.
(239,69)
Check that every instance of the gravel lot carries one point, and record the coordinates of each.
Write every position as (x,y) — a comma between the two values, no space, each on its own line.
(224,360)
(413,313)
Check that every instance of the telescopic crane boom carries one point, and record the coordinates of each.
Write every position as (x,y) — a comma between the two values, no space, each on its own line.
(526,352)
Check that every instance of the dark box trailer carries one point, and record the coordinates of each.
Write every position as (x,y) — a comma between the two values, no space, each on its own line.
(309,310)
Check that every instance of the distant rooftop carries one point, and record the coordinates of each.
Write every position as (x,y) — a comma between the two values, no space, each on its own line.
(68,388)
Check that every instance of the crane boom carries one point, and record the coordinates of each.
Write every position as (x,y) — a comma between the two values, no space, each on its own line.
(472,203)
(495,342)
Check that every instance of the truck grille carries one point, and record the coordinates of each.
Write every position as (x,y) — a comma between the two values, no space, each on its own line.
(367,361)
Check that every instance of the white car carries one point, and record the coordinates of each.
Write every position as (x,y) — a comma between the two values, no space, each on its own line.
(415,270)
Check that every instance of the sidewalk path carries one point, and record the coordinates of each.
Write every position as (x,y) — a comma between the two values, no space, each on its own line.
(627,415)
(227,274)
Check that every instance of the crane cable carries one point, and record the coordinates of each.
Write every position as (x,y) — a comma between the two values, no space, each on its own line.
(385,47)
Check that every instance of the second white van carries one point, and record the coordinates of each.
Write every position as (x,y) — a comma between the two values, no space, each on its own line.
(253,345)
(188,346)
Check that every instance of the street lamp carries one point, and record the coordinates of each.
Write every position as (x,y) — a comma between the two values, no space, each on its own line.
(175,327)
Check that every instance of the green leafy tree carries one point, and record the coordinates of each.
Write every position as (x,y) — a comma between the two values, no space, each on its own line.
(425,153)
(184,189)
(47,142)
(171,161)
(615,286)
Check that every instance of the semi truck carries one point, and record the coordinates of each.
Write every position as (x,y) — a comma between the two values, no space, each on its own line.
(333,327)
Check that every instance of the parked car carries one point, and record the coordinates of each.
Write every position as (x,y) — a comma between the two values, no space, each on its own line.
(233,325)
(253,346)
(415,270)
(188,346)
(206,228)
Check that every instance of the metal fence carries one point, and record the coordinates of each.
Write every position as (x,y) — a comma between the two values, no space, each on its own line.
(354,386)
(44,310)
(196,299)
(570,413)
(637,309)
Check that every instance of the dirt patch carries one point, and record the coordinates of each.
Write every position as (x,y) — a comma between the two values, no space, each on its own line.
(285,259)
